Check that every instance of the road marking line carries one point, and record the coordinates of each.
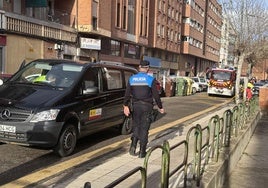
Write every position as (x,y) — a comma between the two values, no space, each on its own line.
(40,175)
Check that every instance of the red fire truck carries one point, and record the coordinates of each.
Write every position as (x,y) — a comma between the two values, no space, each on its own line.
(222,82)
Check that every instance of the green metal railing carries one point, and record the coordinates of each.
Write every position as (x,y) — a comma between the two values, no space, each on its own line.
(217,133)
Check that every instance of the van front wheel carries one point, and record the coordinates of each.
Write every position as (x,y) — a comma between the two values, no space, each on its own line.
(67,141)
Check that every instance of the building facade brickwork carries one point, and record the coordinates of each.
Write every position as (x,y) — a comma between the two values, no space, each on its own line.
(178,37)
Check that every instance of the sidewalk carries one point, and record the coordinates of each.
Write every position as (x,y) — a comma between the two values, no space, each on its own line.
(252,168)
(105,173)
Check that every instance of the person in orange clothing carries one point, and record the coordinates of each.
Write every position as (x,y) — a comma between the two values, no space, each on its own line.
(248,93)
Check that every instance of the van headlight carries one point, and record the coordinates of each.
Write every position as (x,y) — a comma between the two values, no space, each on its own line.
(47,115)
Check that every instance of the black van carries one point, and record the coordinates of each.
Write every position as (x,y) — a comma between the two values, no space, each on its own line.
(50,103)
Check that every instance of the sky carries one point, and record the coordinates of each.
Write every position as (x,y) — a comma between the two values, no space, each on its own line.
(265,2)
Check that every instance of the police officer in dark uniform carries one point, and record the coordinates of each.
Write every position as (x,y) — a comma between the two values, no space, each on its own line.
(142,91)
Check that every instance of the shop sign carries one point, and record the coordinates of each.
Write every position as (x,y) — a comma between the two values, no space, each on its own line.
(89,43)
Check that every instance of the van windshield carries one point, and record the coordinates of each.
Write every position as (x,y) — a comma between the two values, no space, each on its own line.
(56,74)
(221,75)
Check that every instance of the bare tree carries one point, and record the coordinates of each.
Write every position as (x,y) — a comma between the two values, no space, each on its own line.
(249,19)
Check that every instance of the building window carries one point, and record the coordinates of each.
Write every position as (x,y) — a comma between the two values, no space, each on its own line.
(171,37)
(124,17)
(141,23)
(179,37)
(132,51)
(37,9)
(157,53)
(131,16)
(158,29)
(146,28)
(118,15)
(38,13)
(83,58)
(164,7)
(159,5)
(115,48)
(110,47)
(95,23)
(66,56)
(163,31)
(145,51)
(16,6)
(185,39)
(144,18)
(169,11)
(95,15)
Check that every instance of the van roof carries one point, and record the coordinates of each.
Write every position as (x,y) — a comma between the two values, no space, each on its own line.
(107,63)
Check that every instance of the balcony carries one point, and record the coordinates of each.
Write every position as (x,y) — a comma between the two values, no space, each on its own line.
(62,17)
(14,23)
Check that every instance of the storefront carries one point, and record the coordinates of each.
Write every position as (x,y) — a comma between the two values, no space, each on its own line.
(155,65)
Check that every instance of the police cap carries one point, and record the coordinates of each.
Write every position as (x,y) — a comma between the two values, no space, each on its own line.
(144,63)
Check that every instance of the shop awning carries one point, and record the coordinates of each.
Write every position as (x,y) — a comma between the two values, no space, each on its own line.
(154,62)
(36,3)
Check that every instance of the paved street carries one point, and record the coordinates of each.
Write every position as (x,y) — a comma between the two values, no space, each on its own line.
(22,163)
(113,168)
(100,170)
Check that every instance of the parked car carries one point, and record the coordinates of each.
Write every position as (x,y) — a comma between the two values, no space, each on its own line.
(257,85)
(196,87)
(81,99)
(202,82)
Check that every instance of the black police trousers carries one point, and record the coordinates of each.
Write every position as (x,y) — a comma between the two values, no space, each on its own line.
(142,113)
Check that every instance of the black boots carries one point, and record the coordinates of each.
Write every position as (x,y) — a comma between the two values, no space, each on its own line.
(142,151)
(133,146)
(132,149)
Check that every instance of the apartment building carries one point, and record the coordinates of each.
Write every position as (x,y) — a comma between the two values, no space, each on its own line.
(28,32)
(228,38)
(165,35)
(178,37)
(201,34)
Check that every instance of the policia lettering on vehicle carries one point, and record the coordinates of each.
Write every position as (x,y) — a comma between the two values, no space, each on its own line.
(142,91)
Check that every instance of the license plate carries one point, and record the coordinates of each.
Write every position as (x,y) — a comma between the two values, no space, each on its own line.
(7,128)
